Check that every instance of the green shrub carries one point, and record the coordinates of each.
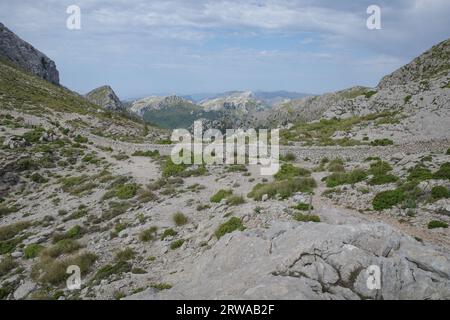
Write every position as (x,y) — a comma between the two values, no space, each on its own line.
(148,234)
(150,154)
(161,286)
(116,269)
(179,219)
(235,200)
(115,209)
(127,191)
(380,168)
(220,195)
(340,178)
(419,173)
(32,251)
(80,139)
(231,225)
(440,192)
(407,99)
(383,179)
(369,94)
(388,199)
(64,246)
(443,172)
(382,142)
(336,165)
(34,135)
(284,188)
(125,254)
(176,244)
(306,218)
(437,224)
(448,152)
(303,207)
(288,170)
(289,157)
(171,169)
(168,233)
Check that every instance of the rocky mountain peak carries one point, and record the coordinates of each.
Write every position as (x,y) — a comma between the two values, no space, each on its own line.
(26,56)
(431,64)
(106,98)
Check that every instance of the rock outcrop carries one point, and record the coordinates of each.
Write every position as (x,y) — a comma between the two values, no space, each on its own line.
(106,98)
(26,56)
(331,260)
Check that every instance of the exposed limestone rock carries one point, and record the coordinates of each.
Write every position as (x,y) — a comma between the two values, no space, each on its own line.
(26,56)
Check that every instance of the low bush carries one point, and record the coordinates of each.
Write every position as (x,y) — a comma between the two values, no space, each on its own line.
(383,179)
(437,224)
(148,234)
(306,218)
(6,265)
(288,170)
(284,189)
(179,219)
(440,192)
(388,199)
(234,200)
(419,173)
(382,142)
(443,172)
(177,244)
(168,233)
(340,178)
(220,195)
(32,251)
(231,225)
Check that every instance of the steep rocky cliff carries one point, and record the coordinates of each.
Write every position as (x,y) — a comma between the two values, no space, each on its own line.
(106,98)
(26,56)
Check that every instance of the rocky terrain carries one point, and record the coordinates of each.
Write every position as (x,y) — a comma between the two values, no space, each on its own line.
(361,185)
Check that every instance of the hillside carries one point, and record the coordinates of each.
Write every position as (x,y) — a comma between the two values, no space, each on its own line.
(106,98)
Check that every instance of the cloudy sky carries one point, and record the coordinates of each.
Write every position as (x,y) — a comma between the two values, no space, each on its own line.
(192,46)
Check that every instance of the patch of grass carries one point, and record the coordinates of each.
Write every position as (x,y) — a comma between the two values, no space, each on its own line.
(388,199)
(53,271)
(383,179)
(440,192)
(380,168)
(125,255)
(127,191)
(149,154)
(32,251)
(4,210)
(37,178)
(176,244)
(340,178)
(115,209)
(80,139)
(179,219)
(168,233)
(288,170)
(75,232)
(161,286)
(230,226)
(10,231)
(6,265)
(220,195)
(289,157)
(437,224)
(306,217)
(382,142)
(443,172)
(448,152)
(64,246)
(336,165)
(235,200)
(419,173)
(284,189)
(303,207)
(109,270)
(148,234)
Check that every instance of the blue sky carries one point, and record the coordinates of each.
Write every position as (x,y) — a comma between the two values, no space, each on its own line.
(192,46)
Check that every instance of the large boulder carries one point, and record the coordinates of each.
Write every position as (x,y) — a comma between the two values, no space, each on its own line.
(26,56)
